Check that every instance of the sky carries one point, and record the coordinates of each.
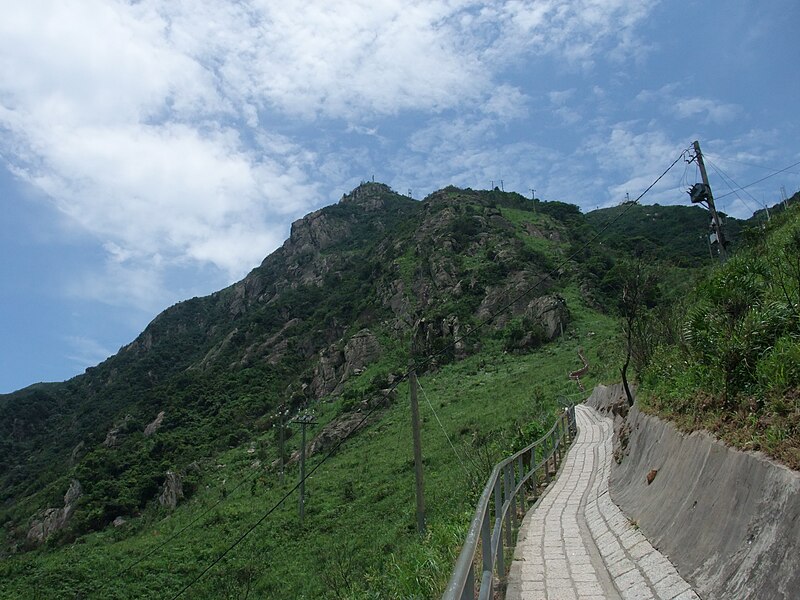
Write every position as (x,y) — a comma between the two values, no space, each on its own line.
(152,151)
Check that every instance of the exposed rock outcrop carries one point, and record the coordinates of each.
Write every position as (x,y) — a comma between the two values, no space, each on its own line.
(336,366)
(345,425)
(77,453)
(551,313)
(113,435)
(361,350)
(52,520)
(155,425)
(504,302)
(171,490)
(432,336)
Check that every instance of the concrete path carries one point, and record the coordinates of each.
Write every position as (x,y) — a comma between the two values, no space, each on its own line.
(577,545)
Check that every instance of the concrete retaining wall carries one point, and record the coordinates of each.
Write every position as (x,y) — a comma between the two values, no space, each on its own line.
(728,520)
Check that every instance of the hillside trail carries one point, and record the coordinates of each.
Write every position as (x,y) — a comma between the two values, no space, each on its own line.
(575,544)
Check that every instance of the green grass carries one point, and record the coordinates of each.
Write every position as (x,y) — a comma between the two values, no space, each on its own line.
(735,371)
(545,223)
(359,540)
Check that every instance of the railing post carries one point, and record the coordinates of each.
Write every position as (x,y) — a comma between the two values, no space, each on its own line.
(546,459)
(469,588)
(521,469)
(486,541)
(507,498)
(498,511)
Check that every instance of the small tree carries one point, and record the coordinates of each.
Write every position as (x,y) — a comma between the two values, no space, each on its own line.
(638,293)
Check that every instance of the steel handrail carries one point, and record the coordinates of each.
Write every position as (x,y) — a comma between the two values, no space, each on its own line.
(490,531)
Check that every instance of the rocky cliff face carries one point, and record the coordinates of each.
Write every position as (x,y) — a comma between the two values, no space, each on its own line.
(348,288)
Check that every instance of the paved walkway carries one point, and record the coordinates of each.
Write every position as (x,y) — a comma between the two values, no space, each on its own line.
(577,545)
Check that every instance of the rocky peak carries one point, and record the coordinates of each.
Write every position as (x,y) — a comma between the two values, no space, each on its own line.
(369,195)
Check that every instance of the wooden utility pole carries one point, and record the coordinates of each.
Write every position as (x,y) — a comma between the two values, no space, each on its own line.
(282,441)
(304,421)
(412,386)
(710,199)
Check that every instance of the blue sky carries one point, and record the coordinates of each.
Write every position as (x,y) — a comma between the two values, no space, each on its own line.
(153,151)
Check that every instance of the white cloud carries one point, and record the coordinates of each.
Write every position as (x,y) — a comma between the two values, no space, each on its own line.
(181,133)
(715,112)
(580,31)
(506,103)
(671,102)
(86,352)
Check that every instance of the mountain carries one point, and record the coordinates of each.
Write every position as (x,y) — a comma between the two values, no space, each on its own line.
(345,288)
(178,431)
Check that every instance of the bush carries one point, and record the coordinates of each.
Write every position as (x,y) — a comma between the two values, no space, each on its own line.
(779,369)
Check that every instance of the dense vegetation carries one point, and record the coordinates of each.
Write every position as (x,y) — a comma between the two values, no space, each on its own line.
(678,234)
(729,361)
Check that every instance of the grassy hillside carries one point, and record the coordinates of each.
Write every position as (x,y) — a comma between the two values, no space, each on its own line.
(359,540)
(733,363)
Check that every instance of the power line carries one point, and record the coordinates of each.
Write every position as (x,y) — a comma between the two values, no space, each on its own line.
(725,176)
(188,526)
(762,179)
(425,362)
(723,159)
(449,441)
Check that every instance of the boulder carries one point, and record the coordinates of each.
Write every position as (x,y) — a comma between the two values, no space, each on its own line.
(77,453)
(551,313)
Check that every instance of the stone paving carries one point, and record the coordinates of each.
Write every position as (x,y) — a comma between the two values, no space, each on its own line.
(577,545)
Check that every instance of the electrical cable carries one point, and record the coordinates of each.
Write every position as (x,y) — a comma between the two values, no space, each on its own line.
(423,363)
(728,180)
(762,179)
(723,159)
(148,554)
(188,526)
(449,441)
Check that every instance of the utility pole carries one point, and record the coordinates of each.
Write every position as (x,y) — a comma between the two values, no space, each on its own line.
(282,441)
(533,198)
(304,421)
(412,386)
(709,198)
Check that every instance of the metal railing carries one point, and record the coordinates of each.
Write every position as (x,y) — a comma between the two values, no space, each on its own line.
(495,523)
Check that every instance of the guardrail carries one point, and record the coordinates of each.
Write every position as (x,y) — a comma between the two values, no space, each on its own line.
(495,523)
